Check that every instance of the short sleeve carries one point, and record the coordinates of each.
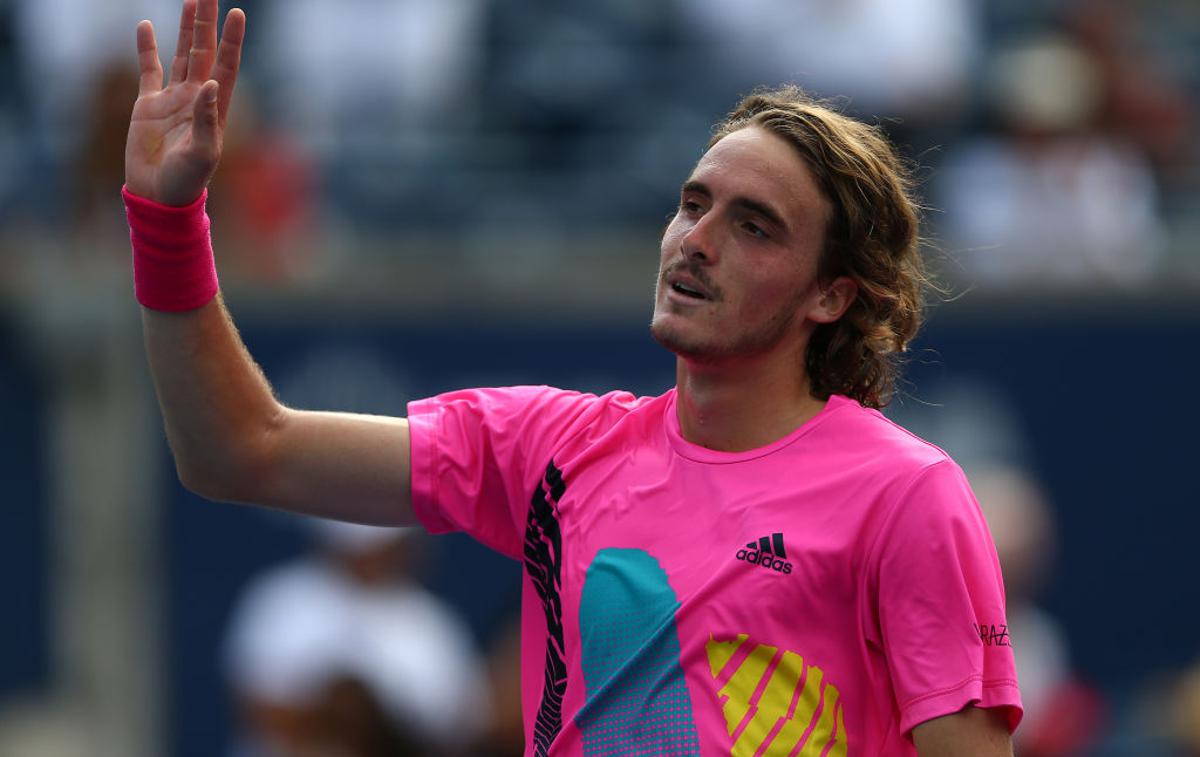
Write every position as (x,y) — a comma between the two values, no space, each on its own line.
(477,454)
(940,604)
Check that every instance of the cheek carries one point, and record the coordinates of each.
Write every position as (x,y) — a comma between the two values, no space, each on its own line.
(664,251)
(771,297)
(670,239)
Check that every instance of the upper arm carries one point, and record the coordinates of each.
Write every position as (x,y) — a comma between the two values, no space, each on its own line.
(344,466)
(971,731)
(940,615)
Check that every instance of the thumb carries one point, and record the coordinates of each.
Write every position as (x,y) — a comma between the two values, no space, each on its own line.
(204,120)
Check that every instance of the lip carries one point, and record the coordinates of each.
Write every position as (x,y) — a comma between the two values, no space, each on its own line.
(678,298)
(680,278)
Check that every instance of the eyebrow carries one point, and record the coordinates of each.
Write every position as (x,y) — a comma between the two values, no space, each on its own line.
(741,201)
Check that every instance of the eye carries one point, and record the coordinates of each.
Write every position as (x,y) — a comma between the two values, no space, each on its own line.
(755,230)
(690,206)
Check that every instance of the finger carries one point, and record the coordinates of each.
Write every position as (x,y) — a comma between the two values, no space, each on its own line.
(204,121)
(229,59)
(183,46)
(204,41)
(149,66)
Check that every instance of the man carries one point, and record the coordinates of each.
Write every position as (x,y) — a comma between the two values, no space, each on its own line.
(341,651)
(756,562)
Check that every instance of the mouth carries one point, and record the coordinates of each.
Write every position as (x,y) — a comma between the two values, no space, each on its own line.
(687,291)
(689,285)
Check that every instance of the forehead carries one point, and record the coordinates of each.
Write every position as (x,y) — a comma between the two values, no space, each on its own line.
(758,164)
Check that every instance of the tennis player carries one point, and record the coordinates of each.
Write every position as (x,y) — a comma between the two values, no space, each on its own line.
(756,562)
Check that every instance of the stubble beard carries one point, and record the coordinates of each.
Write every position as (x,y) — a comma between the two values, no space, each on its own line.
(705,349)
(675,342)
(696,349)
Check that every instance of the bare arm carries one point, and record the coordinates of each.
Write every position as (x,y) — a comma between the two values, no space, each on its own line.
(231,438)
(970,732)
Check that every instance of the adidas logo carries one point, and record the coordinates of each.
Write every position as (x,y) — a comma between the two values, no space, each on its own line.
(767,552)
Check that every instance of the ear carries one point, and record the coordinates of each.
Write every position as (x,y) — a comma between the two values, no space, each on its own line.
(836,298)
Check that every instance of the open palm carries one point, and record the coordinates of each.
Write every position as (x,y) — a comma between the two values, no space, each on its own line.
(176,131)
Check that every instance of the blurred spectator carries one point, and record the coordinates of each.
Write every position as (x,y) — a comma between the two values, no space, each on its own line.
(1010,19)
(1063,716)
(341,653)
(380,91)
(67,56)
(1184,707)
(1143,101)
(562,72)
(1050,199)
(354,70)
(99,161)
(887,59)
(581,95)
(63,43)
(263,203)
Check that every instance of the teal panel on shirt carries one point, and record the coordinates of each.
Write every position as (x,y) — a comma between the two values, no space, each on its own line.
(637,700)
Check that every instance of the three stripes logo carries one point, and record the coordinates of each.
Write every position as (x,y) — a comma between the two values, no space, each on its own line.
(767,552)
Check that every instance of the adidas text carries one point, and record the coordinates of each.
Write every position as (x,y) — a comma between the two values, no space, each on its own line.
(764,559)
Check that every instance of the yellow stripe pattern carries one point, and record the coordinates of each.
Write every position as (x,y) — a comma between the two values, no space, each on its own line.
(757,713)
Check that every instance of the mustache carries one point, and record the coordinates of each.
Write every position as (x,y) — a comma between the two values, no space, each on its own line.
(697,272)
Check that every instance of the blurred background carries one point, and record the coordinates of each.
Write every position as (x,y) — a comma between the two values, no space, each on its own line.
(420,195)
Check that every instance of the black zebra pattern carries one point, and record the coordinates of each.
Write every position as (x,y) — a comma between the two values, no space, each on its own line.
(543,563)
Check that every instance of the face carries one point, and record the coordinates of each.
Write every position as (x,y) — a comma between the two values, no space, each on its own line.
(738,269)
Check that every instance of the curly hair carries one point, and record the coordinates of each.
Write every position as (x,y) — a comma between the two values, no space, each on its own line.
(872,238)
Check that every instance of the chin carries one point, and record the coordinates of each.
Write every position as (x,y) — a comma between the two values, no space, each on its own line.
(703,348)
(664,334)
(683,345)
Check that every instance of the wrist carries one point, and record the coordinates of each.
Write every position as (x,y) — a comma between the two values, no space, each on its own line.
(173,265)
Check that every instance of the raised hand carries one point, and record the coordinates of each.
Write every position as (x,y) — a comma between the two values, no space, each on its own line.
(176,131)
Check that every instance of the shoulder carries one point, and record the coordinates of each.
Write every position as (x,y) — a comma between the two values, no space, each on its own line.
(525,399)
(871,440)
(532,410)
(899,476)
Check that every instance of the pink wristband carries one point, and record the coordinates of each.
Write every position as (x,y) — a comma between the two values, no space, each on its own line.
(173,266)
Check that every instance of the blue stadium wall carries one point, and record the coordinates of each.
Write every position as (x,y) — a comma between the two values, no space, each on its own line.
(1104,394)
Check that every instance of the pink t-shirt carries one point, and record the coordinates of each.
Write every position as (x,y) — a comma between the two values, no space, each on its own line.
(819,596)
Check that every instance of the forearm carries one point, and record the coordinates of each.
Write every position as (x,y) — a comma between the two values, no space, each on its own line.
(217,407)
(233,441)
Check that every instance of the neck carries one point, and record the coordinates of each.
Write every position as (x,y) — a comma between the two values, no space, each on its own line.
(734,408)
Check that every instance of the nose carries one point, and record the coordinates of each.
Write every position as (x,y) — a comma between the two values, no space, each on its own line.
(700,242)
